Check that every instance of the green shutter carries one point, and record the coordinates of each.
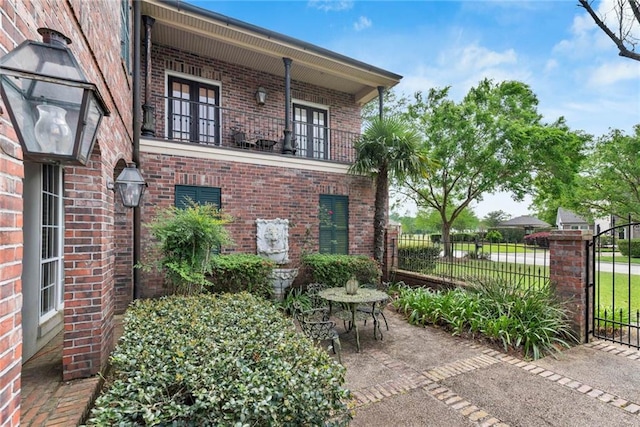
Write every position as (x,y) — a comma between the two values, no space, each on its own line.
(334,224)
(200,195)
(125,35)
(341,225)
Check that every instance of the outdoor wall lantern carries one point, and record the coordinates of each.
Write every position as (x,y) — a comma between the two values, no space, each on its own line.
(55,111)
(130,186)
(261,95)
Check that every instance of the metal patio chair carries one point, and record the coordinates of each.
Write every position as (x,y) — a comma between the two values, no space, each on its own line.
(316,325)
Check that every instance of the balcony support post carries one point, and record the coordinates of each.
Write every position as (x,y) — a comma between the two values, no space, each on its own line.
(149,117)
(380,101)
(287,146)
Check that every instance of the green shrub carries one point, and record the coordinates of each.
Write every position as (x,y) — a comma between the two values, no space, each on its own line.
(420,259)
(463,237)
(511,234)
(241,272)
(629,248)
(493,236)
(526,319)
(186,240)
(207,360)
(335,270)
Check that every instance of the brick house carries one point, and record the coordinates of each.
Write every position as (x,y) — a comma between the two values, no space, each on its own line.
(203,135)
(209,137)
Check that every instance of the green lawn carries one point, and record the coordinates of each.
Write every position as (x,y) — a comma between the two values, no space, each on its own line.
(606,283)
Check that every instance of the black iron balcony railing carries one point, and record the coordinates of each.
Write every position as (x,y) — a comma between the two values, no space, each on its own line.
(178,119)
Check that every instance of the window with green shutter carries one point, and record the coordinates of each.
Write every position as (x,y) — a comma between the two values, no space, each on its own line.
(200,195)
(334,224)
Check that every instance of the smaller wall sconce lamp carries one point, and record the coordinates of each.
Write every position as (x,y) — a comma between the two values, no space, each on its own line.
(130,186)
(54,110)
(261,95)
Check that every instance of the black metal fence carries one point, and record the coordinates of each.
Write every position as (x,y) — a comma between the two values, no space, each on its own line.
(614,282)
(453,262)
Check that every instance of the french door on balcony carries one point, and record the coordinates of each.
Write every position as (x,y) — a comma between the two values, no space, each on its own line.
(193,113)
(310,131)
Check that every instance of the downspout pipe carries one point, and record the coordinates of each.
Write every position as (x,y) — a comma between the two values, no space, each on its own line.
(287,146)
(137,19)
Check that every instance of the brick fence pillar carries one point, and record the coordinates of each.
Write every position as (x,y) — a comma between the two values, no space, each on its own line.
(390,252)
(568,264)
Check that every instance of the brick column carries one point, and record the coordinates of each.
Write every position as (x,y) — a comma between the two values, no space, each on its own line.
(89,282)
(11,176)
(568,263)
(390,252)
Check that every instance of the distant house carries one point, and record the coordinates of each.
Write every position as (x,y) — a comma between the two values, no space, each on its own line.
(528,223)
(567,220)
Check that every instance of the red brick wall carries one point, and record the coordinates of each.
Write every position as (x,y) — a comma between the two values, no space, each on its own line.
(89,250)
(568,264)
(11,174)
(239,85)
(250,192)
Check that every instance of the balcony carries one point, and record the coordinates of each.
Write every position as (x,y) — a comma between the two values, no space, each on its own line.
(207,124)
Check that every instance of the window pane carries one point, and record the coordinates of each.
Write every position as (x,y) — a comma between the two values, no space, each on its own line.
(194,115)
(310,131)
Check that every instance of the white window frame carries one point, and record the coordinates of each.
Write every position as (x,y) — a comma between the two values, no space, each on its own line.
(58,257)
(326,108)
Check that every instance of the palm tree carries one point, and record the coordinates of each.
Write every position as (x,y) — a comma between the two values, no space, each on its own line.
(387,149)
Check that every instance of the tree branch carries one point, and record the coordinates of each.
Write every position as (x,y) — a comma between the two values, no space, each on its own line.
(622,49)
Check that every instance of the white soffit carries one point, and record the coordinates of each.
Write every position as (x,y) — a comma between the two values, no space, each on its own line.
(208,34)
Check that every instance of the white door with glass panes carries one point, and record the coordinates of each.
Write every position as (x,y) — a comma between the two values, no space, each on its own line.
(43,257)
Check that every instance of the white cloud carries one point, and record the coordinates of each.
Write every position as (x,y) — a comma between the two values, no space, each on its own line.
(331,5)
(610,73)
(479,57)
(550,65)
(362,23)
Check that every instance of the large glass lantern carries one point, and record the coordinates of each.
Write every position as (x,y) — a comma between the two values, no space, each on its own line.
(54,109)
(130,186)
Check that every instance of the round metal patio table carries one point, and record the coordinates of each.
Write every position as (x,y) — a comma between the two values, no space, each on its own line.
(363,296)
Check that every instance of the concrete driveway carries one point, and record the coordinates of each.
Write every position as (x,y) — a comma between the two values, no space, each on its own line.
(425,377)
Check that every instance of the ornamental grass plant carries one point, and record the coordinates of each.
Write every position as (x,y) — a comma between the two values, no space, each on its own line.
(527,320)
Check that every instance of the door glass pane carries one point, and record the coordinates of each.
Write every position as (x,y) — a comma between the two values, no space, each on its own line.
(300,130)
(318,135)
(180,114)
(207,115)
(51,229)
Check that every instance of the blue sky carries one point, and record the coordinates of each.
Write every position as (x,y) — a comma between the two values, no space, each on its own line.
(553,46)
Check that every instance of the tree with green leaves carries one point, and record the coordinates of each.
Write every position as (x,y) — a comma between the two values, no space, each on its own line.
(493,140)
(431,220)
(560,158)
(493,218)
(610,181)
(387,150)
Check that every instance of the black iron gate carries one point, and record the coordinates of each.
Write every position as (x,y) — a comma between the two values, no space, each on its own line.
(613,279)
